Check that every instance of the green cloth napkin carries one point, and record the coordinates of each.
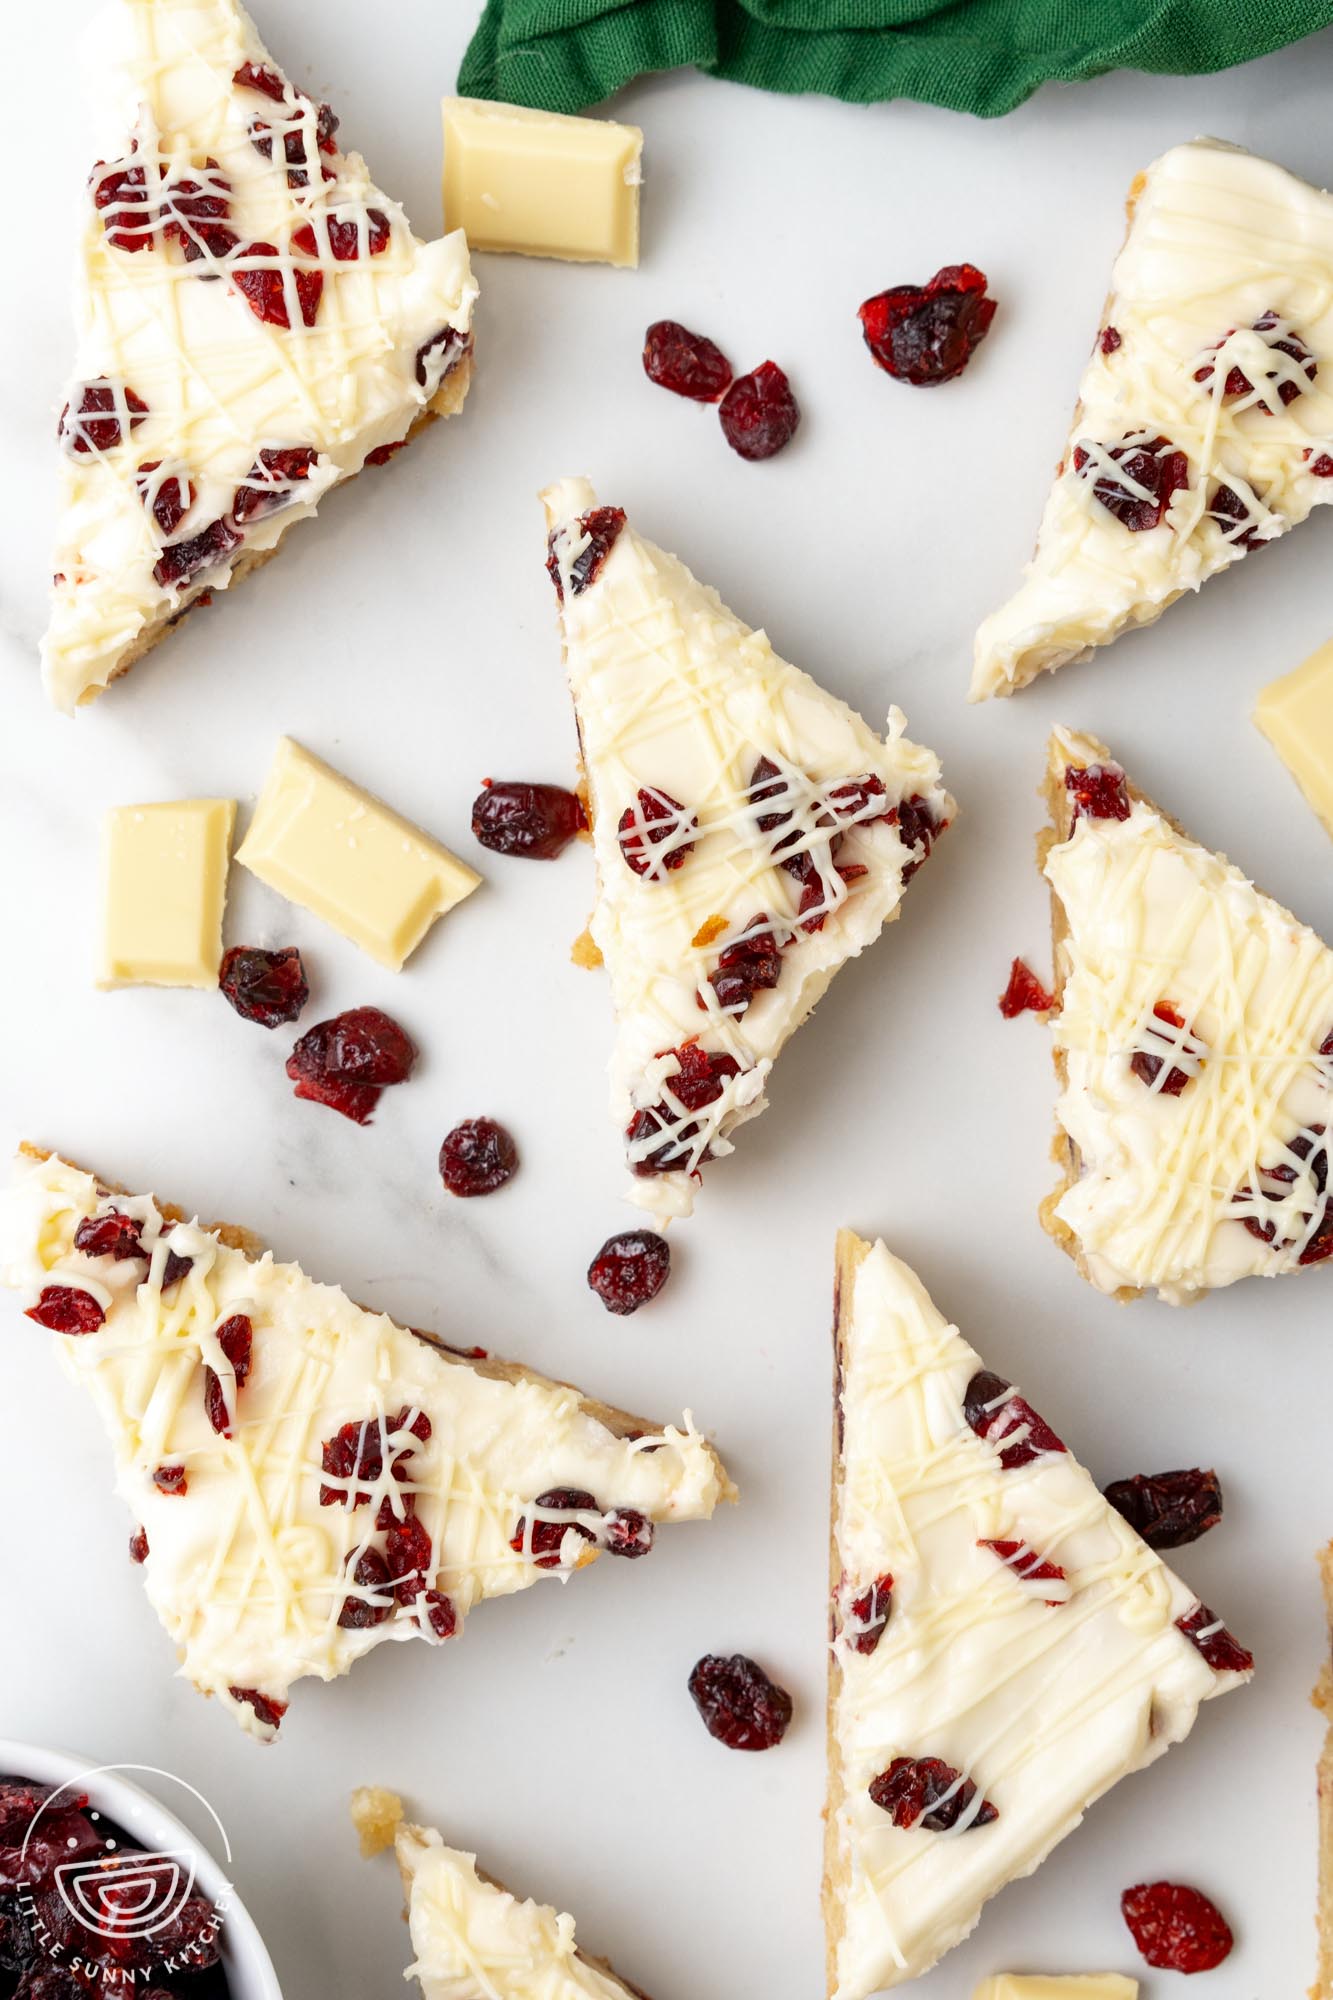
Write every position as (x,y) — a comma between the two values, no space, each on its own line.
(983,56)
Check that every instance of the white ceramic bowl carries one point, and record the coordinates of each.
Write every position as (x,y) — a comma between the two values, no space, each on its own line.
(249,1969)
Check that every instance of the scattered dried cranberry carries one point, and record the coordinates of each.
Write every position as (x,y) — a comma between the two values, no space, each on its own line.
(598,531)
(477,1157)
(1147,1067)
(407,1551)
(345,235)
(698,1082)
(97,421)
(265,986)
(1169,1509)
(180,561)
(767,782)
(272,480)
(171,1479)
(1027,1565)
(347,1061)
(927,1792)
(868,1615)
(759,414)
(1310,1147)
(120,193)
(924,334)
(110,1235)
(66,1309)
(688,364)
(264,286)
(357,1452)
(546,1540)
(440,1613)
(259,76)
(193,210)
(654,833)
(626,1532)
(436,356)
(917,828)
(749,966)
(535,821)
(739,1704)
(1223,1652)
(995,1413)
(236,1339)
(1024,993)
(1236,518)
(1148,470)
(267,1710)
(1321,464)
(384,452)
(175,1268)
(371,1576)
(167,500)
(1238,382)
(1110,340)
(630,1269)
(139,1546)
(1098,791)
(1176,1928)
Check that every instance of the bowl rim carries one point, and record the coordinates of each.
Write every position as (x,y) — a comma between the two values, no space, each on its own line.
(250,1970)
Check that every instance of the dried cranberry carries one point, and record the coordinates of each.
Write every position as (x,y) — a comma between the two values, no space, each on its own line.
(171,1479)
(917,827)
(408,1551)
(272,480)
(749,966)
(347,1061)
(436,356)
(97,421)
(1098,791)
(120,193)
(868,1615)
(1176,1928)
(439,1613)
(627,1532)
(167,500)
(384,452)
(345,235)
(1027,1565)
(630,1269)
(356,1452)
(259,76)
(211,239)
(535,821)
(1235,517)
(1321,463)
(1238,383)
(477,1157)
(1147,1067)
(924,334)
(139,1546)
(1137,484)
(193,207)
(1169,1509)
(264,286)
(1110,340)
(265,986)
(174,1268)
(1223,1652)
(852,799)
(1311,1149)
(546,1539)
(767,782)
(927,1792)
(699,1081)
(759,414)
(236,1339)
(598,531)
(267,1710)
(995,1413)
(740,1705)
(66,1309)
(654,833)
(110,1235)
(371,1577)
(688,364)
(1024,993)
(180,561)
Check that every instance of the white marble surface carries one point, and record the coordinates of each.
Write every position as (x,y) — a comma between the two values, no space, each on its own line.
(409,637)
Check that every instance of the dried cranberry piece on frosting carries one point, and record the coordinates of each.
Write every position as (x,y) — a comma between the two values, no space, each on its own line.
(356,1452)
(868,1615)
(261,275)
(272,480)
(268,1711)
(654,833)
(98,421)
(181,561)
(1098,791)
(917,827)
(139,1546)
(168,498)
(436,356)
(1026,1563)
(544,1541)
(699,1082)
(1235,516)
(753,964)
(1223,1652)
(1007,1421)
(926,1792)
(346,233)
(171,1479)
(599,530)
(236,1339)
(927,334)
(408,1551)
(1133,479)
(110,1235)
(67,1309)
(1147,1065)
(120,194)
(372,1601)
(1290,383)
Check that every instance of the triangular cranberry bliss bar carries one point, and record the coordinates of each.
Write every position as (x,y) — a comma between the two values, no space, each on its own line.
(469,1934)
(307,1478)
(751,832)
(256,322)
(1193,1043)
(1204,426)
(1005,1647)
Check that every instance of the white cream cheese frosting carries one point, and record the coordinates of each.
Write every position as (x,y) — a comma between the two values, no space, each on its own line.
(259,1539)
(1038,1690)
(678,704)
(1224,1175)
(1227,265)
(473,1940)
(194,223)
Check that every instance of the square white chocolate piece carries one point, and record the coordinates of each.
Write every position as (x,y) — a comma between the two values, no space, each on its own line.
(1072,1986)
(163,889)
(542,184)
(1296,715)
(322,842)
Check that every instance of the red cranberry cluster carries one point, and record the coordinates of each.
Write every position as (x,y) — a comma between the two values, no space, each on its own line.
(758,412)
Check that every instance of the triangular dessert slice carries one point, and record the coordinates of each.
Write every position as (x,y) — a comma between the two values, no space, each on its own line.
(751,833)
(307,1478)
(256,322)
(1204,425)
(1005,1645)
(1193,1042)
(470,1935)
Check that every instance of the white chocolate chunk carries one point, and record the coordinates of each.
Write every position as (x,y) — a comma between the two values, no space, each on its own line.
(1296,715)
(1067,1986)
(164,884)
(541,183)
